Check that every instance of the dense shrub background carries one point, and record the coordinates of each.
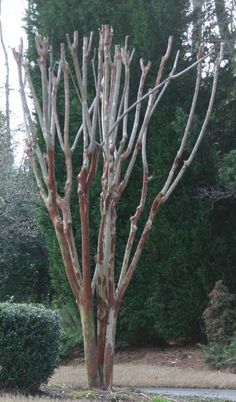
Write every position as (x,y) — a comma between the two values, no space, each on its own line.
(29,345)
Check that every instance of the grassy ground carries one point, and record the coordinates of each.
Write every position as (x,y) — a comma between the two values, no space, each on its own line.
(112,397)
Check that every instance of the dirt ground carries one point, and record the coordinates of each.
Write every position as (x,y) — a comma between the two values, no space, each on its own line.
(181,357)
(173,356)
(152,367)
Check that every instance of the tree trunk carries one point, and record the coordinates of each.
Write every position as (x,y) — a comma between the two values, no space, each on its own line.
(99,352)
(90,352)
(197,25)
(101,338)
(110,347)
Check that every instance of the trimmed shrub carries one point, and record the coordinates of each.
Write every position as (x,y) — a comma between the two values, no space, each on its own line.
(29,345)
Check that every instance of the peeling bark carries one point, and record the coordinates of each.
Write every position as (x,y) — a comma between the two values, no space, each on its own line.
(90,352)
(104,130)
(110,347)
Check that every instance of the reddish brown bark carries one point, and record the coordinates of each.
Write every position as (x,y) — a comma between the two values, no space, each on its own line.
(89,337)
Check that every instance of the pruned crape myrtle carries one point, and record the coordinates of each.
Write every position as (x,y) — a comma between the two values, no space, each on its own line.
(104,132)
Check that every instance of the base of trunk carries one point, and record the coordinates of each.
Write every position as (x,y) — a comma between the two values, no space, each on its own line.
(99,357)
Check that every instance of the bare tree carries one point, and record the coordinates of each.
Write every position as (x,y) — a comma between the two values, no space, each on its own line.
(7,86)
(197,6)
(104,131)
(214,21)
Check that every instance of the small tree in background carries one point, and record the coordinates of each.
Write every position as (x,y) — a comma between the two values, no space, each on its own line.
(220,324)
(219,316)
(106,130)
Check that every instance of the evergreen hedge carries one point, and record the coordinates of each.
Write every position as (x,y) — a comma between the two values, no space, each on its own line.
(29,345)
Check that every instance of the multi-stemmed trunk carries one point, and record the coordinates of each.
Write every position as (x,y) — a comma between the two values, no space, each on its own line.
(99,350)
(105,131)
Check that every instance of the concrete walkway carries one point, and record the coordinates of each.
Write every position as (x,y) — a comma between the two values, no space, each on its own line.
(227,394)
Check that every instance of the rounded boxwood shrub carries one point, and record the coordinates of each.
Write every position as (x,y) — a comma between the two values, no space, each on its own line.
(29,345)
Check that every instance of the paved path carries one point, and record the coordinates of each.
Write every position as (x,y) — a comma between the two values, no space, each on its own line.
(228,394)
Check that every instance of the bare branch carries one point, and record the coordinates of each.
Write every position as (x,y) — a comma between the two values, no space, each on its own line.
(37,175)
(79,132)
(43,48)
(186,132)
(214,194)
(98,84)
(31,131)
(55,84)
(7,77)
(135,218)
(81,80)
(34,95)
(145,70)
(161,198)
(188,162)
(182,72)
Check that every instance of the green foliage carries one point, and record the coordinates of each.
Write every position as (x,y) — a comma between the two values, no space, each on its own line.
(29,345)
(228,170)
(213,354)
(229,354)
(160,399)
(72,329)
(220,325)
(24,271)
(218,356)
(23,257)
